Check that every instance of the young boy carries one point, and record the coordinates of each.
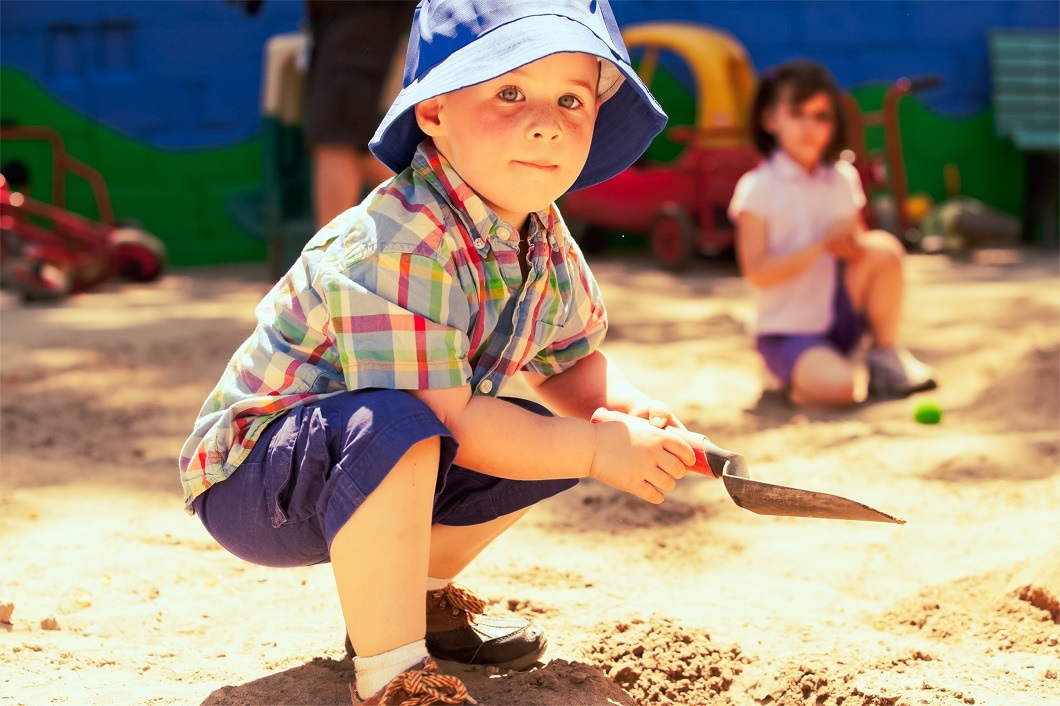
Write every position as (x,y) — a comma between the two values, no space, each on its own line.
(360,423)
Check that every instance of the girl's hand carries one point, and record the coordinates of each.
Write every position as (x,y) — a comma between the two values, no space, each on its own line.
(841,240)
(634,456)
(657,414)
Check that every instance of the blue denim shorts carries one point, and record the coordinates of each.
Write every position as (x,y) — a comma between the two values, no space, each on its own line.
(781,351)
(311,469)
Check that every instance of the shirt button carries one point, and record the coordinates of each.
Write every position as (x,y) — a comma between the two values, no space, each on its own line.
(480,243)
(504,233)
(486,386)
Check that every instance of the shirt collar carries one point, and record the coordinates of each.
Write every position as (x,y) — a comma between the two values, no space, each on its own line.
(789,169)
(436,170)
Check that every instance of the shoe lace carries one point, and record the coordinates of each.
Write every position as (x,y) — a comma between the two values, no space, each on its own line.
(427,687)
(461,598)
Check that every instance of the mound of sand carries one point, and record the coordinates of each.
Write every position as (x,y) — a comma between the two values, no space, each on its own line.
(659,662)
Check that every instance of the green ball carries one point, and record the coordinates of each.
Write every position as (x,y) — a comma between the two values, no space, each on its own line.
(928,412)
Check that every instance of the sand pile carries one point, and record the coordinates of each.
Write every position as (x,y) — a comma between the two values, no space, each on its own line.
(659,662)
(1012,610)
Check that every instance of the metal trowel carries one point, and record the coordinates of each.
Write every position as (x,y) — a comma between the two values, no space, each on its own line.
(769,498)
(766,498)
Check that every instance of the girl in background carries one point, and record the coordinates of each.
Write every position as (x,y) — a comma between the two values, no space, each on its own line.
(822,282)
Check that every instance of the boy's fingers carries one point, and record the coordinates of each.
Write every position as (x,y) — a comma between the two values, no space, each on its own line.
(681,449)
(650,493)
(663,480)
(673,466)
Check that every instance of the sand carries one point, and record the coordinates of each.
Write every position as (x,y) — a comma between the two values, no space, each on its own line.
(110,594)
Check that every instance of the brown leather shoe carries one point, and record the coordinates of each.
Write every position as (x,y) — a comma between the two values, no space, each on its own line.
(458,631)
(422,684)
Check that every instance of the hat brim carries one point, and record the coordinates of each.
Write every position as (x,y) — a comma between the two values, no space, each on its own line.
(625,125)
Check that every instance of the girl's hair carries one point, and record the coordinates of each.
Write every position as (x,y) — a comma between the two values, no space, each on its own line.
(803,79)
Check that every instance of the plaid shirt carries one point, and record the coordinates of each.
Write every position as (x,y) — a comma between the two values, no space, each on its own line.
(417,288)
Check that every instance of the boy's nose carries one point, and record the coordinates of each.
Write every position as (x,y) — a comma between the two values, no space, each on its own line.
(544,125)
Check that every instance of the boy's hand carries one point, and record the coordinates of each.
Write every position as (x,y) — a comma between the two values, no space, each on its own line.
(634,456)
(657,414)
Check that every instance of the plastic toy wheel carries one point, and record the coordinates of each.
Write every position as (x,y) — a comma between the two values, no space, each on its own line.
(38,281)
(137,255)
(673,237)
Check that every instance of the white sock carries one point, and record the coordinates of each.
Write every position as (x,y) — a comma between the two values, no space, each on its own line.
(437,584)
(373,673)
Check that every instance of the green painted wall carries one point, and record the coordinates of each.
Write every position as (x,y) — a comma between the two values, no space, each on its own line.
(181,196)
(991,169)
(209,205)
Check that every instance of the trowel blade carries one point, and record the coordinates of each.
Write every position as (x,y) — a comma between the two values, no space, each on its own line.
(771,499)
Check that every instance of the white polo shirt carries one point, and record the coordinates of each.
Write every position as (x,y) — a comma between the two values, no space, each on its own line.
(798,207)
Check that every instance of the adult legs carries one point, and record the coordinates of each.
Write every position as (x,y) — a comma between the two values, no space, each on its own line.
(340,173)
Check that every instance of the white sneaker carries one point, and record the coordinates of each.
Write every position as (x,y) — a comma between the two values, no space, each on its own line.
(895,372)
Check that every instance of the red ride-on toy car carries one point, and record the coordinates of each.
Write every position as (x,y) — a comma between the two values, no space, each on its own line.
(47,252)
(680,206)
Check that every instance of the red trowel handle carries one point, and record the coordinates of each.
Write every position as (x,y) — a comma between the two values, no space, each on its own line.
(711,460)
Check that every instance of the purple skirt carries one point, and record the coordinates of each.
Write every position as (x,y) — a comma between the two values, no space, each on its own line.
(781,351)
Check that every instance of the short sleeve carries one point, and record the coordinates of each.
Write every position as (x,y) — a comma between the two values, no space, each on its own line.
(583,328)
(751,195)
(853,181)
(399,321)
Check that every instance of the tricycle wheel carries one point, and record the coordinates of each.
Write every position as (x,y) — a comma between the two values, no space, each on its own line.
(673,237)
(137,255)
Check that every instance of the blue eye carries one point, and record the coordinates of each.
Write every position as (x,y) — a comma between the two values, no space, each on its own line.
(569,101)
(509,94)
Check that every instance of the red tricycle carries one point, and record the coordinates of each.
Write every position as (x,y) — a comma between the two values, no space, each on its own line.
(48,252)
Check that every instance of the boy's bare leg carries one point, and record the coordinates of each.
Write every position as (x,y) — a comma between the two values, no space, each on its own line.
(453,547)
(380,556)
(874,280)
(822,376)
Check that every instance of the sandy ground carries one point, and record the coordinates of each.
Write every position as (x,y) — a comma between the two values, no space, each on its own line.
(694,602)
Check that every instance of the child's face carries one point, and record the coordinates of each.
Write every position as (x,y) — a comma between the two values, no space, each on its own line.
(803,130)
(519,140)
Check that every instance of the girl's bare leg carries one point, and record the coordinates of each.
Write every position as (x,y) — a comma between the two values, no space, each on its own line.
(380,556)
(822,376)
(874,280)
(453,548)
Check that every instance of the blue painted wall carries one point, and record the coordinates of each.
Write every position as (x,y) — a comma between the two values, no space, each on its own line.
(863,41)
(183,73)
(178,73)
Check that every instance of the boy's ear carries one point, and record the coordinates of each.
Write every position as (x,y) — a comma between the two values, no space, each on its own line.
(429,116)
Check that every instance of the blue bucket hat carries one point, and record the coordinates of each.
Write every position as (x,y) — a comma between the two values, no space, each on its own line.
(460,43)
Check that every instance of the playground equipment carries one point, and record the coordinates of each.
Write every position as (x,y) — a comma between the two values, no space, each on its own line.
(681,205)
(882,171)
(48,252)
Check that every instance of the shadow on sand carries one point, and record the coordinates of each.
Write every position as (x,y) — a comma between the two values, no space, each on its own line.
(326,681)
